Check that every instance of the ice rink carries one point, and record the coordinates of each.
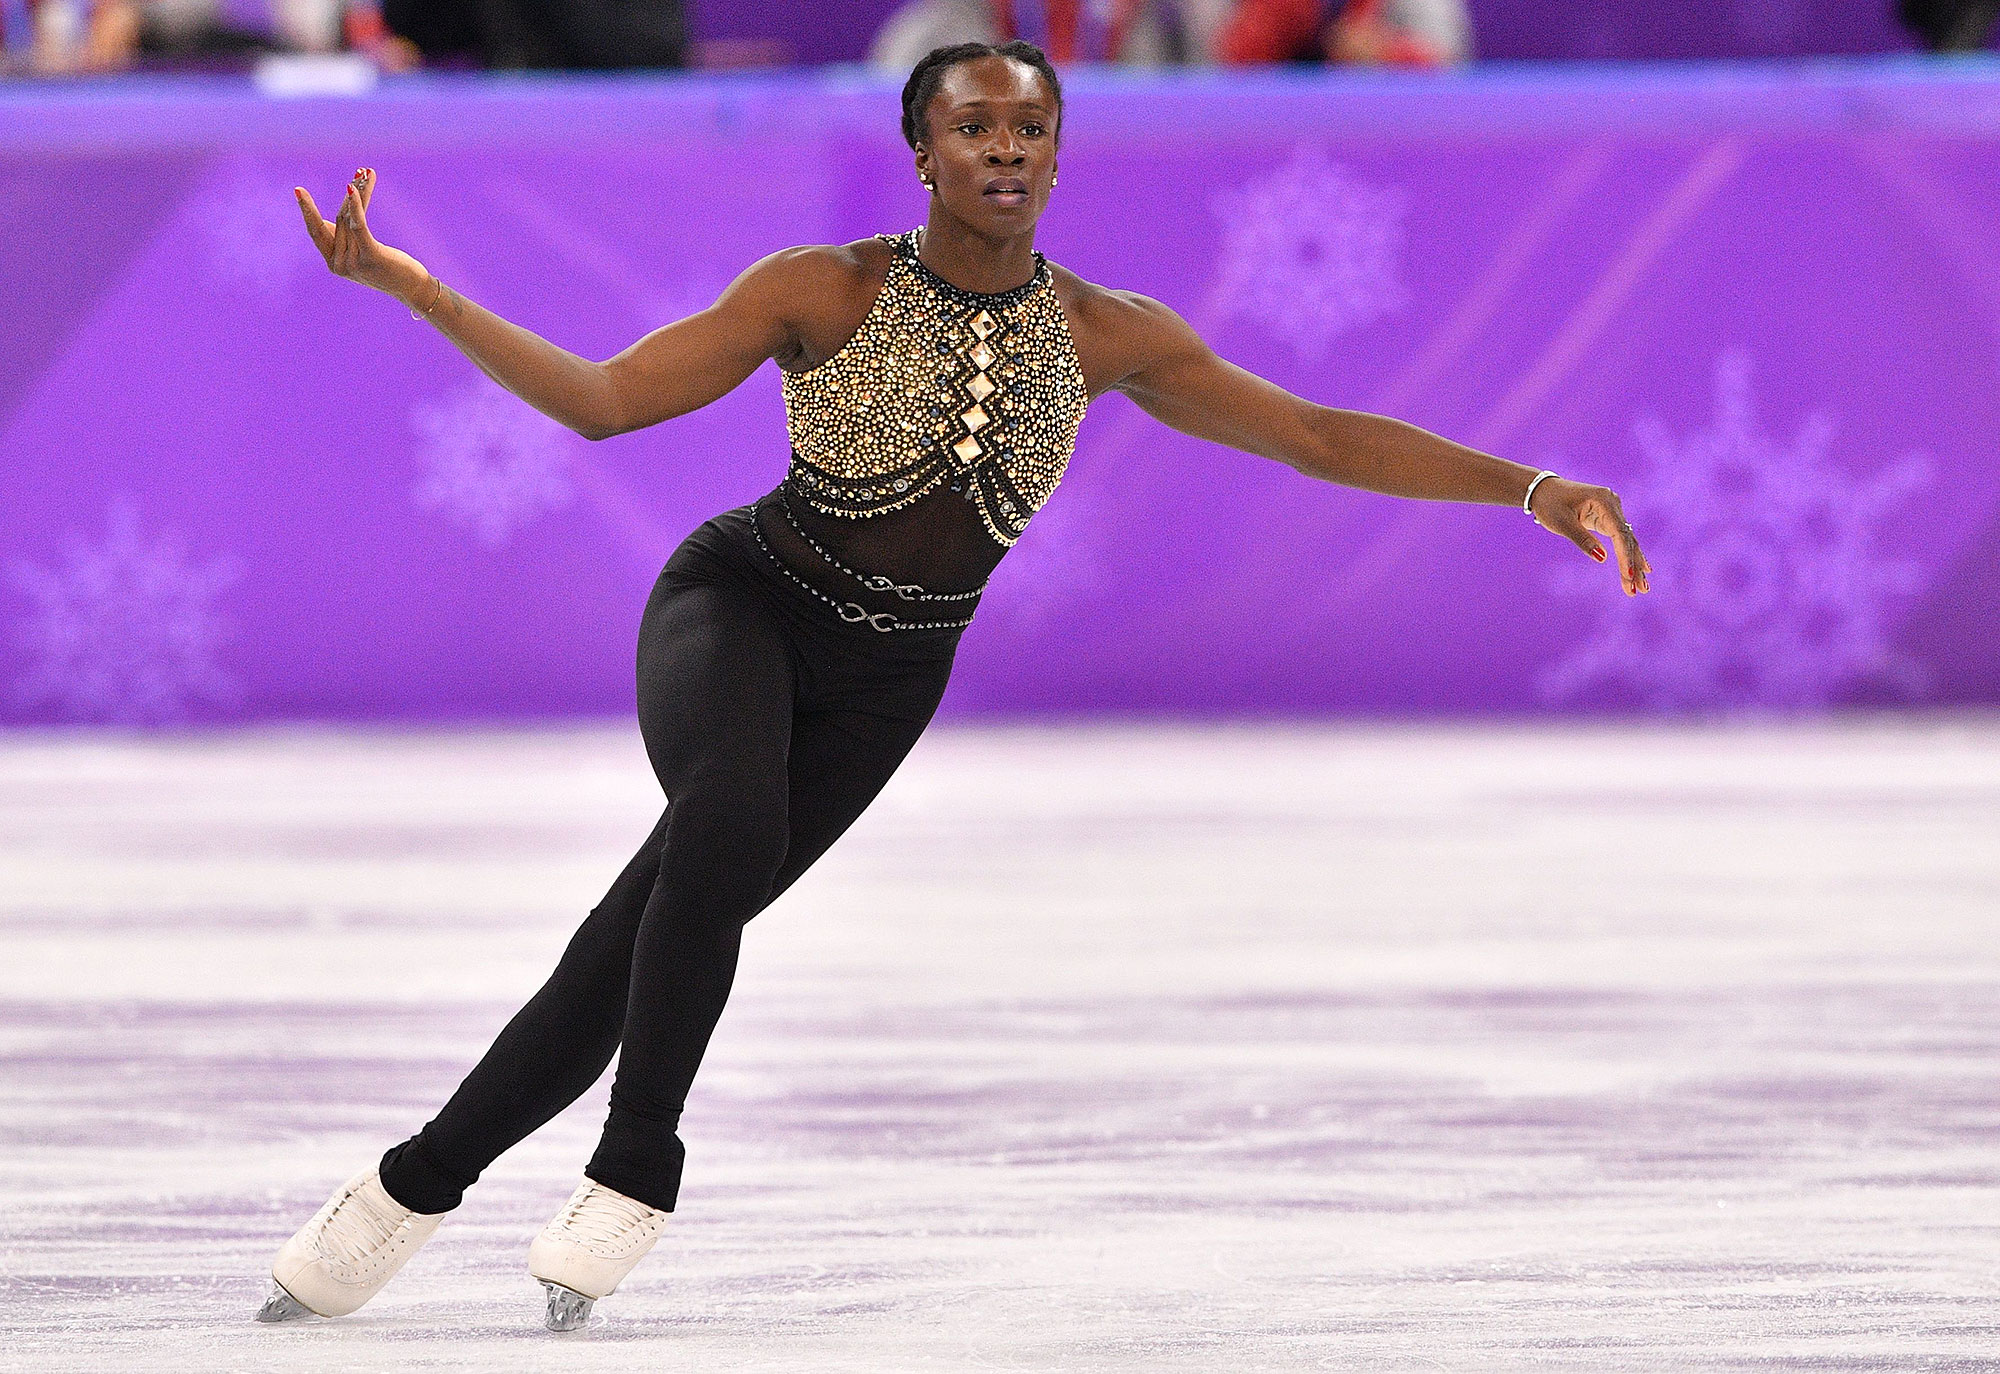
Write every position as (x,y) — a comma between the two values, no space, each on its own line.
(1107,1048)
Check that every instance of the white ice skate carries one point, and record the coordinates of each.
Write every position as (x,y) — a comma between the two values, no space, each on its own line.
(592,1244)
(342,1257)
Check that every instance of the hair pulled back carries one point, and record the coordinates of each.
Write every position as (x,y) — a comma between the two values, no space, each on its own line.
(928,75)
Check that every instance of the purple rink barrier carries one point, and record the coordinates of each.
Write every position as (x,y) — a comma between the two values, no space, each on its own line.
(1760,303)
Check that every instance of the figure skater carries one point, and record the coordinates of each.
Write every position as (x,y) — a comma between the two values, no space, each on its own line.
(792,650)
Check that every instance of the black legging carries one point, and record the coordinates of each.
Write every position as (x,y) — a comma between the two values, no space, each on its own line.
(771,725)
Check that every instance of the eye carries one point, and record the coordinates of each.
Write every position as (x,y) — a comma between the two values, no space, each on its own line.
(967,128)
(1033,130)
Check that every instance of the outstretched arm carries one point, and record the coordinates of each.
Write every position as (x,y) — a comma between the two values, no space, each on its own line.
(675,369)
(1164,366)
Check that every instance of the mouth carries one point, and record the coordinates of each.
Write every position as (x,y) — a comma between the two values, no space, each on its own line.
(1007,191)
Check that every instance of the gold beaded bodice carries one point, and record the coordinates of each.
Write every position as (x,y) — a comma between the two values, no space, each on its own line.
(981,392)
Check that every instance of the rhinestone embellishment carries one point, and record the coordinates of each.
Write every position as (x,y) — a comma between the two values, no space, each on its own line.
(914,400)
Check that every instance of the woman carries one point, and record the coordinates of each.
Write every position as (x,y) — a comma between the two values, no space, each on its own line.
(793,650)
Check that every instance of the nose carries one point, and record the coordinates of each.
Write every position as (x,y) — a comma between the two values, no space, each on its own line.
(1005,149)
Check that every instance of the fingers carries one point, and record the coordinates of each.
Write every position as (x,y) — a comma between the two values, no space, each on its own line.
(345,242)
(1602,511)
(353,244)
(1581,538)
(321,231)
(357,194)
(1596,515)
(343,233)
(1632,562)
(1642,571)
(1574,512)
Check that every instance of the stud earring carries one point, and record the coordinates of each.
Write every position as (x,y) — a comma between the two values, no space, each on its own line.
(1052,183)
(929,185)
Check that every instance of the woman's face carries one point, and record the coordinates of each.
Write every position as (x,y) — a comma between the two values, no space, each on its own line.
(992,146)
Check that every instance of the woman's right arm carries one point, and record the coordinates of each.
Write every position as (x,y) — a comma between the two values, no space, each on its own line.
(675,369)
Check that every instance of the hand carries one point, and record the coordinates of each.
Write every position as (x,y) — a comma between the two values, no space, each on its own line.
(352,252)
(1573,510)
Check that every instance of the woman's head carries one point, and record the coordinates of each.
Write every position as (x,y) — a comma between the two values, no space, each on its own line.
(984,121)
(922,87)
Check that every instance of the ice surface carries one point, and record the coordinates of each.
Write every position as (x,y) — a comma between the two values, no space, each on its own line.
(1201,1049)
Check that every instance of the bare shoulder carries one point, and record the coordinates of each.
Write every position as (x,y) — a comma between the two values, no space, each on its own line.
(1106,309)
(813,272)
(1118,333)
(820,291)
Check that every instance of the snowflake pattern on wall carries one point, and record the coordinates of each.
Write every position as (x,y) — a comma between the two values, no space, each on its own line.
(125,631)
(1770,589)
(491,463)
(253,236)
(1310,251)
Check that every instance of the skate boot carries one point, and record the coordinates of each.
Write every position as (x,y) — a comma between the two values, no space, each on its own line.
(342,1257)
(592,1244)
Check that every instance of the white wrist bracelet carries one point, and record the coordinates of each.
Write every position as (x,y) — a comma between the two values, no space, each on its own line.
(1539,478)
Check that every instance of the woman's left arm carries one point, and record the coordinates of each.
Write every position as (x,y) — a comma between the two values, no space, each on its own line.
(1174,376)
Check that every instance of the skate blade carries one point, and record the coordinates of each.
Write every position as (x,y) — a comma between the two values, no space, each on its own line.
(568,1309)
(282,1306)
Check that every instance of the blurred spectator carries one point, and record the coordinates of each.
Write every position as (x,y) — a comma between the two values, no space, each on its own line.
(111,35)
(1950,25)
(108,35)
(599,34)
(1411,33)
(1398,33)
(1131,32)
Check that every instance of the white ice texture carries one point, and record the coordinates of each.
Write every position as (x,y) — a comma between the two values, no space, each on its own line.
(1118,1048)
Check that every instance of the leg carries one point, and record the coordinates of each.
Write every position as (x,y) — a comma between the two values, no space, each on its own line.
(838,762)
(705,650)
(716,696)
(547,1056)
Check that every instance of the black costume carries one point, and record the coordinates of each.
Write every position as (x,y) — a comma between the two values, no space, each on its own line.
(791,653)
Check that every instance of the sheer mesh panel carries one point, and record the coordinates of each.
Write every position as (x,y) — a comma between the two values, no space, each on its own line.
(936,543)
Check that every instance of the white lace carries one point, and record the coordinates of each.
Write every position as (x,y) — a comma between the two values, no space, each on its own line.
(598,1216)
(354,1231)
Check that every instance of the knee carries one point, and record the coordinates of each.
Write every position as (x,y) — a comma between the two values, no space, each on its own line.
(729,825)
(599,955)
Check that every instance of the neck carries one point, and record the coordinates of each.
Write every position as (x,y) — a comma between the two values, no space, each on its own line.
(973,261)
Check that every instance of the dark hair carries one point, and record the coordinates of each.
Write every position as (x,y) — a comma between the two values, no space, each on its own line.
(928,75)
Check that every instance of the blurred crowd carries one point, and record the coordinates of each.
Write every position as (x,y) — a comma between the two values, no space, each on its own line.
(1410,33)
(82,36)
(46,37)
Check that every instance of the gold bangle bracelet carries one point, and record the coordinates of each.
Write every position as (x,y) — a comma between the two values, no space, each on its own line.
(426,314)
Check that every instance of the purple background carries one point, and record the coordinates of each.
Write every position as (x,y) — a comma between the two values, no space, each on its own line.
(1761,304)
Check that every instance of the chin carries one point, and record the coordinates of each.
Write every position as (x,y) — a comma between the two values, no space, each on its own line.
(1007,218)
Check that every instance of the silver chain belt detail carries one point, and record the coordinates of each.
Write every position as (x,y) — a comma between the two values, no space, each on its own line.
(853,611)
